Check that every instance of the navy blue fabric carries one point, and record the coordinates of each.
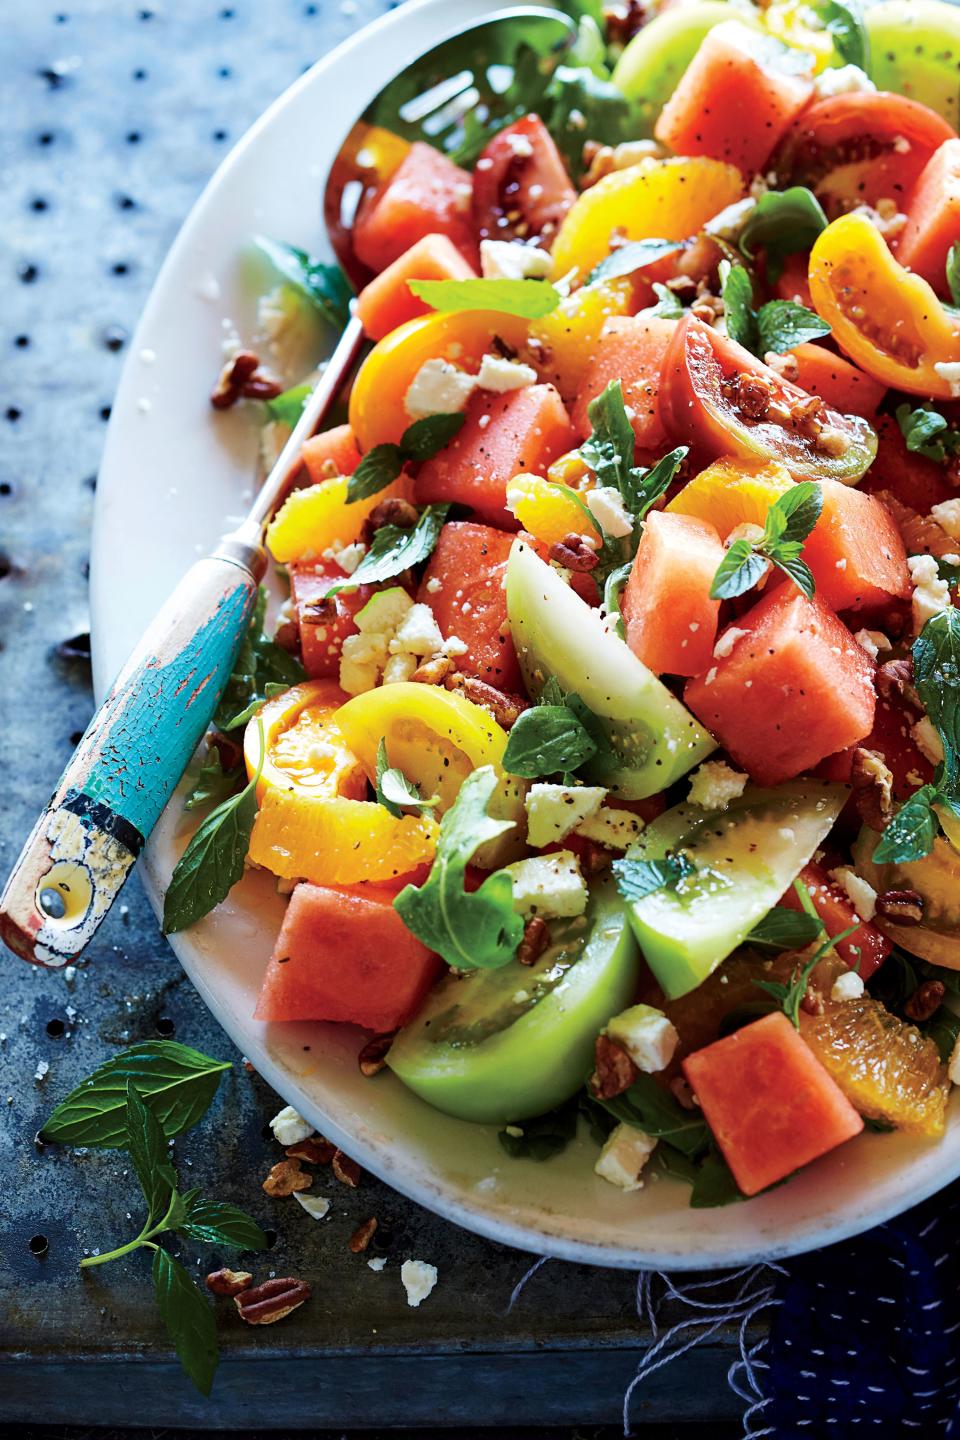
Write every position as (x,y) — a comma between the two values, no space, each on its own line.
(866,1339)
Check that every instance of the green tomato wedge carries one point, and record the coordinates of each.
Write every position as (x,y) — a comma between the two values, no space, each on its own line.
(502,1045)
(654,737)
(657,56)
(745,857)
(915,50)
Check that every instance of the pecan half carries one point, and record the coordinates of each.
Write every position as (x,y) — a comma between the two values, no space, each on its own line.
(373,1056)
(433,671)
(615,1071)
(750,393)
(286,1177)
(574,552)
(901,907)
(505,709)
(872,783)
(393,511)
(925,1000)
(267,1303)
(536,938)
(314,1150)
(347,1171)
(362,1236)
(894,677)
(229,1282)
(242,377)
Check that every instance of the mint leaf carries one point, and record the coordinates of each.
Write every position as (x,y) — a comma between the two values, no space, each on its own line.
(545,739)
(644,487)
(793,515)
(214,1222)
(323,284)
(288,407)
(783,223)
(936,676)
(648,1107)
(270,689)
(382,464)
(609,450)
(530,299)
(633,256)
(213,782)
(953,272)
(213,861)
(393,789)
(147,1147)
(850,36)
(789,521)
(668,306)
(394,550)
(926,432)
(187,1318)
(178,1082)
(260,661)
(738,571)
(637,878)
(782,324)
(784,929)
(470,930)
(736,290)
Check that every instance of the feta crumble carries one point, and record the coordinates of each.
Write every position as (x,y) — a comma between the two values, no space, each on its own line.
(931,594)
(873,641)
(501,375)
(860,892)
(715,784)
(646,1034)
(623,1156)
(847,987)
(728,639)
(607,508)
(418,632)
(842,80)
(377,1263)
(438,388)
(927,740)
(947,516)
(549,885)
(289,1126)
(512,260)
(315,1205)
(949,370)
(418,1278)
(554,810)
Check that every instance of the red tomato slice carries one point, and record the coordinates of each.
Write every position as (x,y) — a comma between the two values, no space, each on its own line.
(521,189)
(702,396)
(859,148)
(837,912)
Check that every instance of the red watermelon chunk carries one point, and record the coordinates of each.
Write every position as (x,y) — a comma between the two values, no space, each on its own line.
(670,620)
(631,349)
(344,954)
(426,195)
(464,586)
(794,688)
(855,551)
(324,624)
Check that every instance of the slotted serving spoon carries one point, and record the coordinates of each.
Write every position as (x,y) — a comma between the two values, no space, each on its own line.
(140,741)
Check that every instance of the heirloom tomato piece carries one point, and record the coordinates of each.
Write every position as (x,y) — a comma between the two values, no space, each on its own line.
(861,147)
(867,945)
(563,343)
(304,747)
(888,321)
(705,392)
(378,414)
(521,189)
(323,623)
(933,218)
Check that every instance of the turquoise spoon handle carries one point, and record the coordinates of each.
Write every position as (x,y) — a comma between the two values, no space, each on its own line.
(128,763)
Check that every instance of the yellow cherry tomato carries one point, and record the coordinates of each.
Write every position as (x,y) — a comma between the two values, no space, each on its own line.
(886,319)
(665,199)
(797,24)
(318,517)
(305,748)
(733,492)
(337,841)
(562,343)
(377,412)
(437,738)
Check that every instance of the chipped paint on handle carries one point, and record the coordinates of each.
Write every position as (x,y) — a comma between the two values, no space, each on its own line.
(127,765)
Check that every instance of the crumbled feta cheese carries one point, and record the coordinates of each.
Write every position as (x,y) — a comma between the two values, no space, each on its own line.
(454,646)
(873,641)
(350,556)
(418,1279)
(549,885)
(646,1034)
(728,639)
(357,676)
(947,516)
(367,648)
(862,895)
(438,388)
(927,740)
(314,1205)
(377,1263)
(842,80)
(399,668)
(606,506)
(512,260)
(384,611)
(433,585)
(42,1071)
(289,1126)
(502,375)
(847,987)
(554,810)
(949,370)
(624,1155)
(611,827)
(746,530)
(931,594)
(418,632)
(715,784)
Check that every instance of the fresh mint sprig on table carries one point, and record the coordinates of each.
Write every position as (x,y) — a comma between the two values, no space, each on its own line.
(783,223)
(476,929)
(790,520)
(323,284)
(529,299)
(777,326)
(138,1101)
(395,549)
(382,464)
(936,676)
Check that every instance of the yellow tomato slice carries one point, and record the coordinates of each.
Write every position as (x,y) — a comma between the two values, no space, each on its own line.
(568,335)
(337,841)
(665,199)
(377,411)
(306,752)
(436,737)
(886,319)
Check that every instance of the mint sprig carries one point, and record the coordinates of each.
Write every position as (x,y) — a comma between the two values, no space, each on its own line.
(790,520)
(638,878)
(784,222)
(382,464)
(926,432)
(260,663)
(528,299)
(323,284)
(395,549)
(789,995)
(777,326)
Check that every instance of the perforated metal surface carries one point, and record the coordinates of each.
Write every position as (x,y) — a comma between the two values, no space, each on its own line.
(112,117)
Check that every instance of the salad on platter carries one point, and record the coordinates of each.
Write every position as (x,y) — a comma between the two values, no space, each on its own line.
(607,743)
